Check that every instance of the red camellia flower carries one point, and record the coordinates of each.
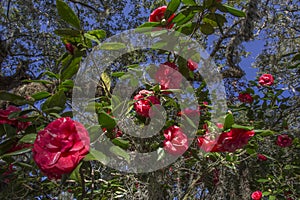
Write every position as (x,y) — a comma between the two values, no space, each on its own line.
(226,142)
(261,157)
(189,112)
(12,121)
(284,140)
(257,195)
(192,65)
(145,100)
(70,48)
(266,79)
(158,16)
(168,76)
(176,142)
(245,98)
(60,147)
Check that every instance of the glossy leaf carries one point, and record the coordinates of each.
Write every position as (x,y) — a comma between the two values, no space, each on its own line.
(67,14)
(15,99)
(120,152)
(229,121)
(234,11)
(29,138)
(171,8)
(99,34)
(40,95)
(121,143)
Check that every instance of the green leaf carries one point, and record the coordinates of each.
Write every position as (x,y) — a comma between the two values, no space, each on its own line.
(160,153)
(248,128)
(234,11)
(120,152)
(67,14)
(100,34)
(66,85)
(271,197)
(106,121)
(67,32)
(106,81)
(51,75)
(262,180)
(71,69)
(55,103)
(187,29)
(124,144)
(15,153)
(29,138)
(75,175)
(189,2)
(91,37)
(117,74)
(94,132)
(171,8)
(207,29)
(40,95)
(112,46)
(229,121)
(15,99)
(37,81)
(145,25)
(96,155)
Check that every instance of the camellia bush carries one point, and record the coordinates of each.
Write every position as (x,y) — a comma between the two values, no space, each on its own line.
(157,100)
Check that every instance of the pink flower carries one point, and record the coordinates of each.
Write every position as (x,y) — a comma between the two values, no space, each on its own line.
(245,98)
(261,157)
(70,48)
(176,142)
(257,195)
(60,147)
(158,16)
(284,140)
(168,76)
(13,121)
(144,100)
(192,65)
(266,79)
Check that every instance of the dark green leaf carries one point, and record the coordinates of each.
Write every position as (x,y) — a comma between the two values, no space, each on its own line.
(248,128)
(55,103)
(40,95)
(71,69)
(106,121)
(229,121)
(67,33)
(51,75)
(29,138)
(121,143)
(15,99)
(189,2)
(75,175)
(171,8)
(15,153)
(234,11)
(207,29)
(67,14)
(187,29)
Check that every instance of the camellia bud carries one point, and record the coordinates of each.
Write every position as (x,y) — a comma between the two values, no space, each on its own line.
(70,48)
